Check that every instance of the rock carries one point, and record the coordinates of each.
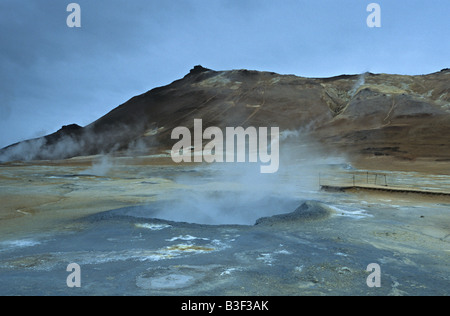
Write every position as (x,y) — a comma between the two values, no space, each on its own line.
(308,211)
(71,127)
(197,70)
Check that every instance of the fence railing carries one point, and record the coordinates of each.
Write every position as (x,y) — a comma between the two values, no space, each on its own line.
(394,180)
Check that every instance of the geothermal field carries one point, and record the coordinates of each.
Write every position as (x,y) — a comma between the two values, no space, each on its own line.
(359,203)
(140,228)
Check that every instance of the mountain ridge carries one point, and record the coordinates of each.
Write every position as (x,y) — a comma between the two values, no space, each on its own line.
(358,114)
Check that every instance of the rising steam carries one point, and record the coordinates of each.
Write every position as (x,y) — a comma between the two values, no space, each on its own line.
(237,193)
(359,83)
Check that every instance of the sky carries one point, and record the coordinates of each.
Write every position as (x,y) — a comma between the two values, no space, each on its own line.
(53,75)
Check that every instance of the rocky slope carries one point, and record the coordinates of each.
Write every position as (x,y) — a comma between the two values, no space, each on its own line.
(406,117)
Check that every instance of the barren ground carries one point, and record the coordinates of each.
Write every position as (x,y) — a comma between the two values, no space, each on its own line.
(56,213)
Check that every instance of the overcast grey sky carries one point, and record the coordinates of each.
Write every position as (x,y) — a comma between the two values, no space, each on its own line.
(52,75)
